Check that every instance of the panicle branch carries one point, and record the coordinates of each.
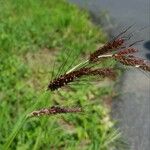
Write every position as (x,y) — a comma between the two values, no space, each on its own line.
(104,72)
(145,67)
(108,47)
(54,110)
(131,60)
(127,51)
(85,71)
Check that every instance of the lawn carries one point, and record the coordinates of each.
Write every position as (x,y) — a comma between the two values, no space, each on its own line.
(34,35)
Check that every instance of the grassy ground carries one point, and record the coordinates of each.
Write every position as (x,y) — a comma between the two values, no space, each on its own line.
(33,34)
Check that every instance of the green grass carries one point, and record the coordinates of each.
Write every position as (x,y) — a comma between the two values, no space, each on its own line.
(32,34)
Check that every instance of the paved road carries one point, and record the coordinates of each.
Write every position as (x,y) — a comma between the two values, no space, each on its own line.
(132,107)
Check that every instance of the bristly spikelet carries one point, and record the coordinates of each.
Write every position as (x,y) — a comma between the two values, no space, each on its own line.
(85,71)
(54,110)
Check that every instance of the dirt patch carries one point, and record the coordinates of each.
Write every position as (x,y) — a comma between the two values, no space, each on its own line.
(40,64)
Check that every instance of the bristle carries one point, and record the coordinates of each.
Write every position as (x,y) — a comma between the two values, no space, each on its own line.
(136,42)
(54,110)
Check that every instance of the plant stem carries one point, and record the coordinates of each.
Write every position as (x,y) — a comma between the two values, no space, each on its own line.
(78,65)
(87,61)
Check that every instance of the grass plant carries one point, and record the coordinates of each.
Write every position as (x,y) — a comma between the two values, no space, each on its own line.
(33,34)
